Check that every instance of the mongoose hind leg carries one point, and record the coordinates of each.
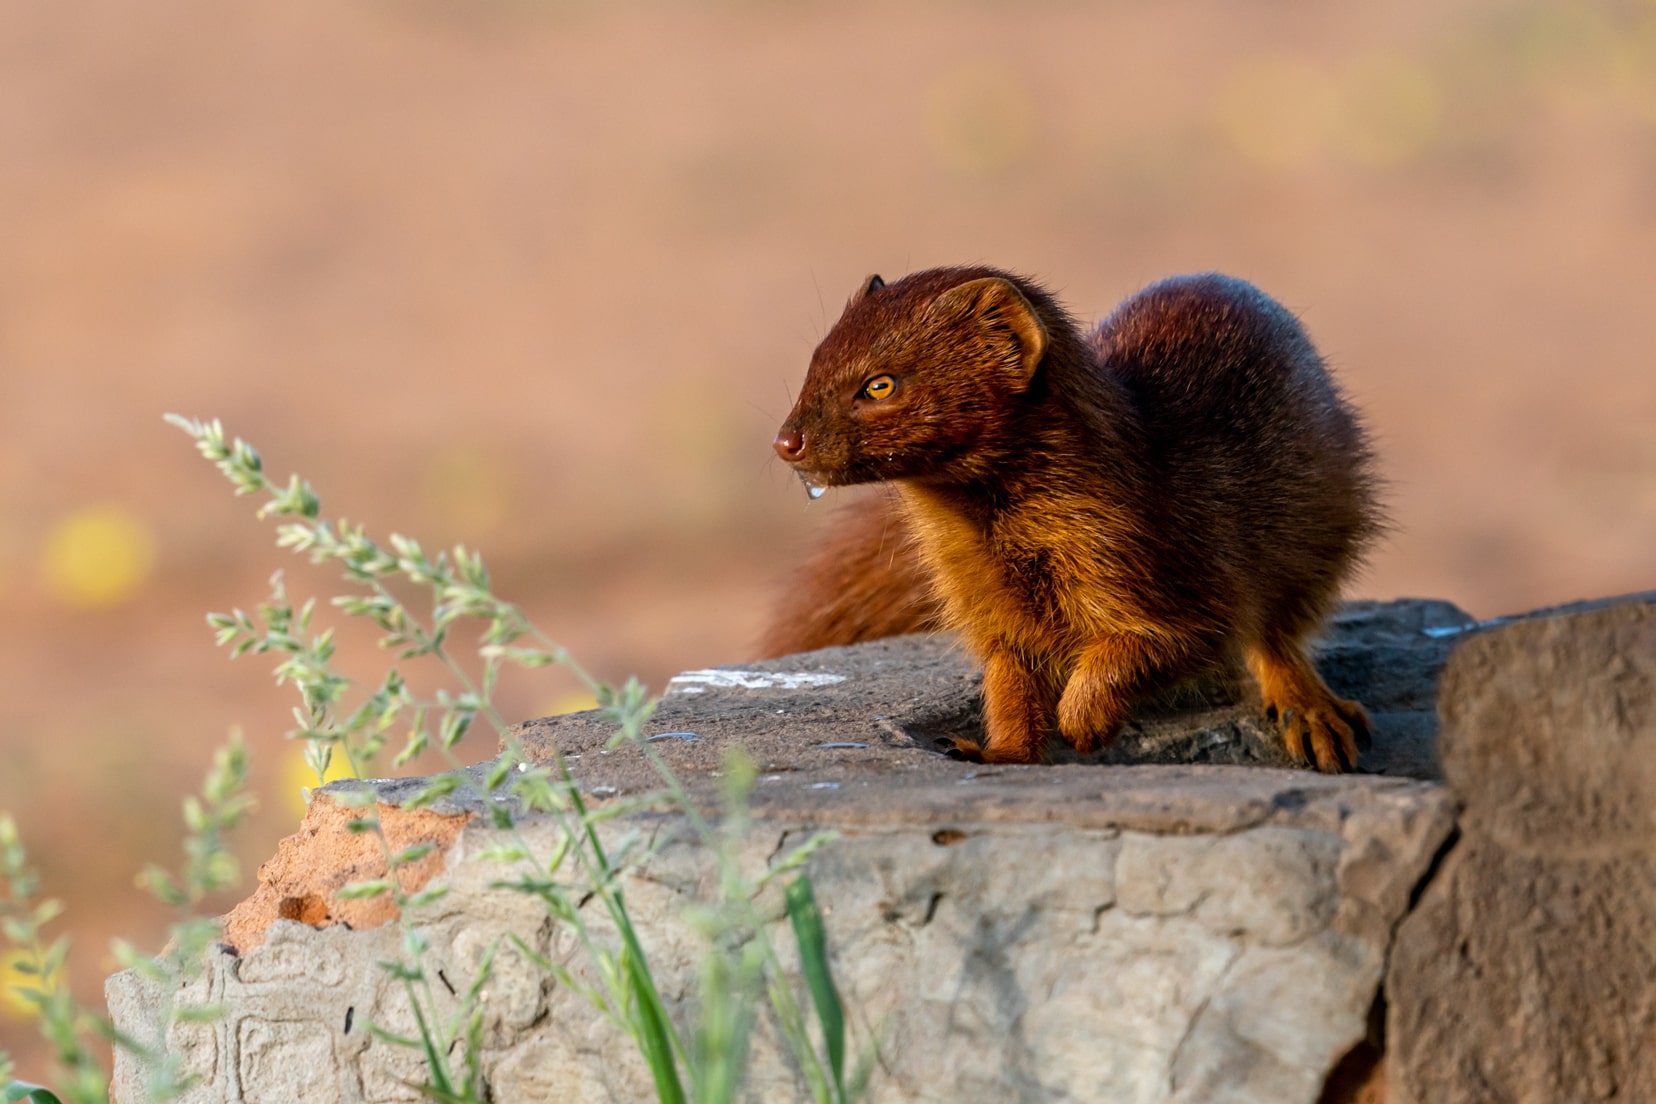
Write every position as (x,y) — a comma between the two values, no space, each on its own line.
(1318,728)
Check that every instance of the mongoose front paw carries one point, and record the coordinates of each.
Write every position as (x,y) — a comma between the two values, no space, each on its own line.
(966,751)
(1328,735)
(1088,724)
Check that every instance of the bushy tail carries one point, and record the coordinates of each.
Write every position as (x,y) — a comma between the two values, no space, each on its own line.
(863,582)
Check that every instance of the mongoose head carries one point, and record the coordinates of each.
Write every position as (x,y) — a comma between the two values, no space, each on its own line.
(916,378)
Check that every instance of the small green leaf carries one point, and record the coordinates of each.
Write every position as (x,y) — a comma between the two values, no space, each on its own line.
(199,1013)
(357,891)
(453,726)
(379,1032)
(427,897)
(505,852)
(413,854)
(498,774)
(415,943)
(435,790)
(417,741)
(34,1094)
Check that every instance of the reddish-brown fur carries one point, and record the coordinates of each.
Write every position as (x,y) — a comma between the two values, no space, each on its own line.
(1096,514)
(864,581)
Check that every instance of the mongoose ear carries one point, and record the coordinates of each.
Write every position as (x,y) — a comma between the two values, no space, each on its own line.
(872,284)
(997,304)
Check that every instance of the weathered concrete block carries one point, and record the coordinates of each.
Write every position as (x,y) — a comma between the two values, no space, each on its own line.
(1273,885)
(1005,959)
(1184,923)
(1528,970)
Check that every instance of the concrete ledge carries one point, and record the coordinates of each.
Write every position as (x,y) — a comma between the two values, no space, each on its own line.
(990,958)
(1145,931)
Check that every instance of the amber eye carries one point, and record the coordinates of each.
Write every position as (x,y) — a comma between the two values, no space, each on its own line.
(880,387)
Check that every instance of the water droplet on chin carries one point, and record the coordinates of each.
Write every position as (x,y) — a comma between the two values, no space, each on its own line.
(813,489)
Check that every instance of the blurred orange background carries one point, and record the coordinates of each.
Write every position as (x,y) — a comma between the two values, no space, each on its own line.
(541,277)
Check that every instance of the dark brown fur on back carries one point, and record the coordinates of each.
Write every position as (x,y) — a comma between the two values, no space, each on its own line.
(1095,514)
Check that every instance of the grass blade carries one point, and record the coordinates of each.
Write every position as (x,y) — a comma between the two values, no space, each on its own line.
(34,1094)
(813,961)
(435,1063)
(655,1038)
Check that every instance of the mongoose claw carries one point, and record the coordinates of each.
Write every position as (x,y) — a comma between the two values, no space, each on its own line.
(1328,735)
(964,751)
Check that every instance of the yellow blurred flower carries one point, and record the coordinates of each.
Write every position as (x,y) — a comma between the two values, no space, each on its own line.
(980,117)
(13,981)
(97,556)
(1282,112)
(1278,110)
(1390,110)
(575,701)
(1633,68)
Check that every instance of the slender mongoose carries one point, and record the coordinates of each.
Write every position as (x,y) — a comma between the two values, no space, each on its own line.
(1095,514)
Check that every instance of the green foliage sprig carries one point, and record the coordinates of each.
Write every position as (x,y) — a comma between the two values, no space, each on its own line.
(208,866)
(742,964)
(705,1063)
(459,589)
(24,917)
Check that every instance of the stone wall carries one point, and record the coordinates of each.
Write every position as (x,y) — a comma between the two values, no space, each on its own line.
(1182,920)
(1528,969)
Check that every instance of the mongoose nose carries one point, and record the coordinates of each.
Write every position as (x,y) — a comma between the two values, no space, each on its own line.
(789,444)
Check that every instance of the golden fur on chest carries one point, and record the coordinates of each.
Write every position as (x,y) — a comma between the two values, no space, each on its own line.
(1044,581)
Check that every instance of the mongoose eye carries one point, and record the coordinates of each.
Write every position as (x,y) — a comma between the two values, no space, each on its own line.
(880,387)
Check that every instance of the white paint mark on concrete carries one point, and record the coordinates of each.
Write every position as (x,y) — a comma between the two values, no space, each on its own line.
(696,682)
